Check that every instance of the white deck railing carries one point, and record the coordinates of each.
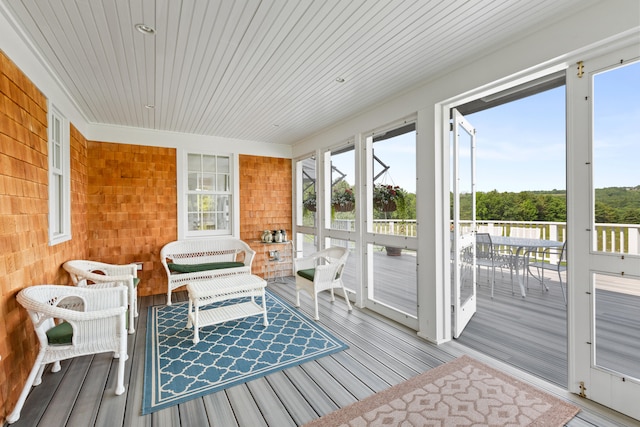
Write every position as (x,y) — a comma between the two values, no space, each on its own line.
(613,238)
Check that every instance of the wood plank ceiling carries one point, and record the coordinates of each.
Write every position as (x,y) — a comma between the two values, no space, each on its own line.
(261,70)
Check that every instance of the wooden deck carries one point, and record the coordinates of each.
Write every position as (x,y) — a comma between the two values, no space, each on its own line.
(380,354)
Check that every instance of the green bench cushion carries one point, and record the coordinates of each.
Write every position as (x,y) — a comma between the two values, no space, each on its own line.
(192,268)
(136,280)
(60,334)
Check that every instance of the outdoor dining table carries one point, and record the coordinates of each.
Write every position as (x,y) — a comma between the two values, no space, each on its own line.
(523,245)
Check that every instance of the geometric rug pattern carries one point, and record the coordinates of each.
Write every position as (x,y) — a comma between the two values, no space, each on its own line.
(463,392)
(230,353)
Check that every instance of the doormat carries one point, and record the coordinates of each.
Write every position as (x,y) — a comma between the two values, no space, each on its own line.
(463,392)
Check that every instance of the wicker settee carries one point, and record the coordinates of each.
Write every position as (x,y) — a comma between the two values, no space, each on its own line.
(187,260)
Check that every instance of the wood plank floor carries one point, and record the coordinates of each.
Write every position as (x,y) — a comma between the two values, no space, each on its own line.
(380,354)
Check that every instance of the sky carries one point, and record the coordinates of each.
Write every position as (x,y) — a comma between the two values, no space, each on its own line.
(521,145)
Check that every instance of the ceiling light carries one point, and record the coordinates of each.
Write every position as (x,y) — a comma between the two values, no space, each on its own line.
(145,29)
(340,80)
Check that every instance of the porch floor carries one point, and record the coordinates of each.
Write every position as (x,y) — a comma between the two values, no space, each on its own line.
(381,353)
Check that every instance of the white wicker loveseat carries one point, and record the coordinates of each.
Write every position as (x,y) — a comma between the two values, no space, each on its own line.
(188,260)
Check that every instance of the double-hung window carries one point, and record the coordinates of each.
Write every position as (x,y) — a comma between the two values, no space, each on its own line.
(59,178)
(207,192)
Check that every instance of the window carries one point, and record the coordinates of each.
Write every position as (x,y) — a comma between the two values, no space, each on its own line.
(59,173)
(206,202)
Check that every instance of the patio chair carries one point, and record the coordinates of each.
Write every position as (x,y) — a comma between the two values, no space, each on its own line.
(70,322)
(94,274)
(541,265)
(485,257)
(319,272)
(491,256)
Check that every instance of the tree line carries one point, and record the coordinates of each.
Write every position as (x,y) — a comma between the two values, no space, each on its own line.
(619,205)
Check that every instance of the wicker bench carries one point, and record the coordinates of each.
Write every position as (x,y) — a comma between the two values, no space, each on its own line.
(185,261)
(226,288)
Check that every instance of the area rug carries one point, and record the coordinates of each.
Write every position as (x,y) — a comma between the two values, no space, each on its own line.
(229,353)
(463,392)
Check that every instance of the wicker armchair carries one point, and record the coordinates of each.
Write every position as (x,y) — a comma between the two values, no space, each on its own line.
(71,322)
(319,272)
(94,274)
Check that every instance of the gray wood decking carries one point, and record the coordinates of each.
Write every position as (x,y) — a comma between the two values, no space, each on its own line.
(380,354)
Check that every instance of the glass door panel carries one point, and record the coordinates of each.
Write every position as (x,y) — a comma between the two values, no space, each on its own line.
(617,324)
(464,215)
(617,220)
(391,237)
(395,278)
(343,199)
(349,277)
(394,179)
(307,192)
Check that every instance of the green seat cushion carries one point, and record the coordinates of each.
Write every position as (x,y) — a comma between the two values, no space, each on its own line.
(192,268)
(308,274)
(60,334)
(136,280)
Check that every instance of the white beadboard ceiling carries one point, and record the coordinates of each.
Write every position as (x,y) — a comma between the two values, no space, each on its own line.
(261,70)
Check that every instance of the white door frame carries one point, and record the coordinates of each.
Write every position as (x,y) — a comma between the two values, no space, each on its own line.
(598,384)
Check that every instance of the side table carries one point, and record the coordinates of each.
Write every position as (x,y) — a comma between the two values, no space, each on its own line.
(279,257)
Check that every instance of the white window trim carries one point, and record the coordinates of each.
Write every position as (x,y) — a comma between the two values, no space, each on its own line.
(181,170)
(62,203)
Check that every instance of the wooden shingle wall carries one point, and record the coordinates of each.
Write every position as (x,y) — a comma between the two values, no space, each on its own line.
(26,258)
(132,208)
(123,209)
(265,201)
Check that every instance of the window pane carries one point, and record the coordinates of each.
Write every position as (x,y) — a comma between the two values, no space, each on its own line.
(194,221)
(57,213)
(209,164)
(617,304)
(208,182)
(223,165)
(56,156)
(208,221)
(306,244)
(394,189)
(307,168)
(343,201)
(615,159)
(223,183)
(349,273)
(192,178)
(395,281)
(222,221)
(193,162)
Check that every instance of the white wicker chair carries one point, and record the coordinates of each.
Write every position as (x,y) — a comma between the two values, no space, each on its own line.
(94,274)
(97,318)
(319,272)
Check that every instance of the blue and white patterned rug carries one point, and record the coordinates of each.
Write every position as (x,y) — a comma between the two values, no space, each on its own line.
(230,353)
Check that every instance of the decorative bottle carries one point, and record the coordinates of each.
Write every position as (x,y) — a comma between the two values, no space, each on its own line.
(278,237)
